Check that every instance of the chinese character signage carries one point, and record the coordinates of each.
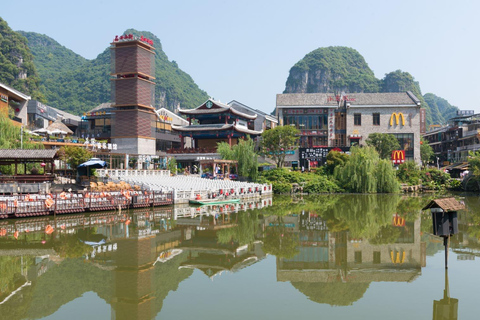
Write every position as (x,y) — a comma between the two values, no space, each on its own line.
(317,154)
(100,145)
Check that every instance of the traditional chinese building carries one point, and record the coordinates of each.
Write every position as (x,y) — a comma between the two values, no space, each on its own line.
(215,122)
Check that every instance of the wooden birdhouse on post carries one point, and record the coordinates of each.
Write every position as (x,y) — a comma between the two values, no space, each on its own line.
(444,219)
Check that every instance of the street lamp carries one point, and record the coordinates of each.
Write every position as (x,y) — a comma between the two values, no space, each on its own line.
(438,167)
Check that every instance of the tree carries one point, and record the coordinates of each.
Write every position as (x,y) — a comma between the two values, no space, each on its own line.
(244,153)
(172,166)
(384,143)
(364,172)
(75,155)
(335,158)
(277,140)
(426,152)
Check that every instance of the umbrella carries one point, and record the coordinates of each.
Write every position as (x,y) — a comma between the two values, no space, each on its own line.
(31,132)
(42,130)
(94,163)
(58,131)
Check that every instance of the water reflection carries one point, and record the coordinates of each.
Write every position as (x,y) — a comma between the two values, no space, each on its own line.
(330,248)
(445,308)
(347,244)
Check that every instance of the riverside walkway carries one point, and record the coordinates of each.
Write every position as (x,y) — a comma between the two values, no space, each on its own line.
(191,187)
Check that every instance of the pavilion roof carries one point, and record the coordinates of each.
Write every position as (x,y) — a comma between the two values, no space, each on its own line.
(27,154)
(216,108)
(215,127)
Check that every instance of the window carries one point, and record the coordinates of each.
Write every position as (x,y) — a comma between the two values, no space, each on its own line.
(376,257)
(357,119)
(376,119)
(358,256)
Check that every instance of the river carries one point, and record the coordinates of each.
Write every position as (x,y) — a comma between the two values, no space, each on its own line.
(319,257)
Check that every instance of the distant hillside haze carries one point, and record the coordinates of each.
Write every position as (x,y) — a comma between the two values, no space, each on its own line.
(343,69)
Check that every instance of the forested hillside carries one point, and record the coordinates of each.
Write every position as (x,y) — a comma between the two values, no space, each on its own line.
(75,84)
(16,63)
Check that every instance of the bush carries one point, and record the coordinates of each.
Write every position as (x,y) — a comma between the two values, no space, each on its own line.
(409,172)
(283,175)
(281,187)
(435,176)
(454,184)
(321,184)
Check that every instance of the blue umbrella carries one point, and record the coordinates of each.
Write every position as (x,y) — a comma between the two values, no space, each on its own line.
(93,163)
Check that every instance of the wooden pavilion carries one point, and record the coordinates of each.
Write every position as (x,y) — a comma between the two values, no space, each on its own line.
(218,163)
(20,157)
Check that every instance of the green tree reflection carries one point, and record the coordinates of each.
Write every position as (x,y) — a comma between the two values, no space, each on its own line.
(280,241)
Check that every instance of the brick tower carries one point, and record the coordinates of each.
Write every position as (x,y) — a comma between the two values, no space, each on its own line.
(133,94)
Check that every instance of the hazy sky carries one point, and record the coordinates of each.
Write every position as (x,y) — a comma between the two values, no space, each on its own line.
(243,50)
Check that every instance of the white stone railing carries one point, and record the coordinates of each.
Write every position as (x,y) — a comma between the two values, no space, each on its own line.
(131,173)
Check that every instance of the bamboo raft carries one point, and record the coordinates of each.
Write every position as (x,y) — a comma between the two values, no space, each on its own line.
(34,205)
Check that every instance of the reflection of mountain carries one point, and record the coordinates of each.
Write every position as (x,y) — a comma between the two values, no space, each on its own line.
(335,294)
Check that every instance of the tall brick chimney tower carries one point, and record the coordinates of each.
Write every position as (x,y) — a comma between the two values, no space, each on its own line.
(133,94)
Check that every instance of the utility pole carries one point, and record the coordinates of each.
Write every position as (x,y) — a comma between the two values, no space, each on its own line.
(21,137)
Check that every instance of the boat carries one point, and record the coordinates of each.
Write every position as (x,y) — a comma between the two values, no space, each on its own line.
(214,201)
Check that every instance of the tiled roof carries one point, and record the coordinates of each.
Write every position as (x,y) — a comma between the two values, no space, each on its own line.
(447,204)
(305,99)
(27,154)
(105,105)
(219,108)
(15,92)
(66,115)
(215,127)
(329,99)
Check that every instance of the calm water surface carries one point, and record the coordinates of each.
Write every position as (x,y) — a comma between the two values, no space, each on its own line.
(323,257)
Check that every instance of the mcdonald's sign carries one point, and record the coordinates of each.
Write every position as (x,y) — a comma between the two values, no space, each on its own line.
(398,221)
(395,256)
(398,156)
(397,117)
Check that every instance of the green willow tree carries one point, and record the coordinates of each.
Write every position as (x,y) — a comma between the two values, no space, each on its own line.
(276,141)
(244,153)
(365,172)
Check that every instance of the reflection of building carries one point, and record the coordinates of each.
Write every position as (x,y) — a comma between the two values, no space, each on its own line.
(328,120)
(327,257)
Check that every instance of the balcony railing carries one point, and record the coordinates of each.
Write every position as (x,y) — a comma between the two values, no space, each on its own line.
(192,150)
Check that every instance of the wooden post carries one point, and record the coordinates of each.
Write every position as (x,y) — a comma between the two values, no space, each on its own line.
(446,242)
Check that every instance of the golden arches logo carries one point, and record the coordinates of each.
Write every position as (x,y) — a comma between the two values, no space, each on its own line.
(398,156)
(397,117)
(395,256)
(398,221)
